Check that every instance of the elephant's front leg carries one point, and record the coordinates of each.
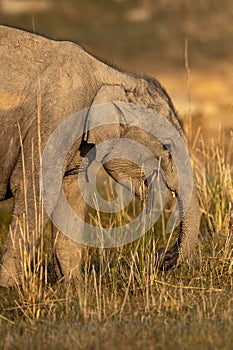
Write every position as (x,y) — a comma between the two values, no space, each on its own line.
(70,213)
(68,252)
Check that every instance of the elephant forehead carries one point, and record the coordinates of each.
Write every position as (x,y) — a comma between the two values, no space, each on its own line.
(10,100)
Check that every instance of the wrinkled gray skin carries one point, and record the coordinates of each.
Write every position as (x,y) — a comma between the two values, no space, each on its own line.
(53,80)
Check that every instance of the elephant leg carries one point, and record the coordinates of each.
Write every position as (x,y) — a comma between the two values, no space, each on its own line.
(68,252)
(24,234)
(11,267)
(68,255)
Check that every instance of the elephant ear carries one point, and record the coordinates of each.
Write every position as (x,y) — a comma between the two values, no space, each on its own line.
(105,121)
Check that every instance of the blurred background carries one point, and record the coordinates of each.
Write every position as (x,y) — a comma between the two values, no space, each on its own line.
(150,37)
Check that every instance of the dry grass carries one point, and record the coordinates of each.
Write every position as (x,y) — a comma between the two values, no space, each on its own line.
(124,295)
(124,301)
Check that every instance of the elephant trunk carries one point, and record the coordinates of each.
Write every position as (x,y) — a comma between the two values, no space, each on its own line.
(188,236)
(189,227)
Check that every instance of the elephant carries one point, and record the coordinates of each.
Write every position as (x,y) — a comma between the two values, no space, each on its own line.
(43,82)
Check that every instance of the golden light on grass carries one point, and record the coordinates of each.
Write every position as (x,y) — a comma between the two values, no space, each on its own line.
(124,283)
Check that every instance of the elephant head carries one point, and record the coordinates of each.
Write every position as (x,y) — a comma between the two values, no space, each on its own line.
(115,114)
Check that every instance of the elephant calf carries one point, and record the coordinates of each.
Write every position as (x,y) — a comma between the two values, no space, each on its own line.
(43,83)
